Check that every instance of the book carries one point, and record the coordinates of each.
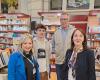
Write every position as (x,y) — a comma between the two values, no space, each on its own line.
(5,57)
(1,64)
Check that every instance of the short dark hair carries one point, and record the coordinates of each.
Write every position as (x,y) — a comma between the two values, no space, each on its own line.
(40,26)
(84,42)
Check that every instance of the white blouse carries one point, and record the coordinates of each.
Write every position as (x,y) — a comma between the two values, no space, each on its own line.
(70,77)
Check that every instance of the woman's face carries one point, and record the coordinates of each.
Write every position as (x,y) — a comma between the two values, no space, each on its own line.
(78,38)
(27,45)
(41,33)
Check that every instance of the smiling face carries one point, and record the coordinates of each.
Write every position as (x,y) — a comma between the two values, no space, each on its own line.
(27,45)
(78,38)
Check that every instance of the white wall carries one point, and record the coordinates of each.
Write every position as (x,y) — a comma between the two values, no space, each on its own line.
(32,7)
(22,5)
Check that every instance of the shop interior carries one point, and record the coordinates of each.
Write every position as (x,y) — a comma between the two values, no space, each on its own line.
(16,19)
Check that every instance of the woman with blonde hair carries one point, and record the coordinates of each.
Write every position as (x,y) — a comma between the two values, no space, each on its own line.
(22,64)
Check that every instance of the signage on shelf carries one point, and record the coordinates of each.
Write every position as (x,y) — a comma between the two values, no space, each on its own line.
(11,17)
(51,19)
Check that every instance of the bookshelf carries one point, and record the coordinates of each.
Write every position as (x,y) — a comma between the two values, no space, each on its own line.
(13,26)
(4,58)
(93,37)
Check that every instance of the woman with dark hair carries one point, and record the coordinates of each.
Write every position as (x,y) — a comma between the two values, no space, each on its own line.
(79,60)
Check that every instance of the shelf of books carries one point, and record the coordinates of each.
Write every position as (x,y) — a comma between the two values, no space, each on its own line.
(93,37)
(4,57)
(93,41)
(12,26)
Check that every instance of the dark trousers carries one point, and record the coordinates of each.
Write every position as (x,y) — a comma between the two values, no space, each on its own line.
(59,71)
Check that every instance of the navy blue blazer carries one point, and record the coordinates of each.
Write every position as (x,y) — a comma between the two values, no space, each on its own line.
(85,65)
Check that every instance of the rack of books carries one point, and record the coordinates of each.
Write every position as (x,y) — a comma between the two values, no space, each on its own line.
(93,41)
(4,58)
(12,26)
(93,37)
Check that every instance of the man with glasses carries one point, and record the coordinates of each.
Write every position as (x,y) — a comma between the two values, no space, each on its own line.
(61,42)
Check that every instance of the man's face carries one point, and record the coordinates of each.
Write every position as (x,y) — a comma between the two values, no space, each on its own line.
(41,33)
(64,20)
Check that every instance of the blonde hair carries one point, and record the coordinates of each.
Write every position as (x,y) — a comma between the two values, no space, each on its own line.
(23,39)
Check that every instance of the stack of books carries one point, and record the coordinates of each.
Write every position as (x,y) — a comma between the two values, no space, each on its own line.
(4,58)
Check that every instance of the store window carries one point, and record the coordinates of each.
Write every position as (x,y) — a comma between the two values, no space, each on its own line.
(97,4)
(9,6)
(56,4)
(77,4)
